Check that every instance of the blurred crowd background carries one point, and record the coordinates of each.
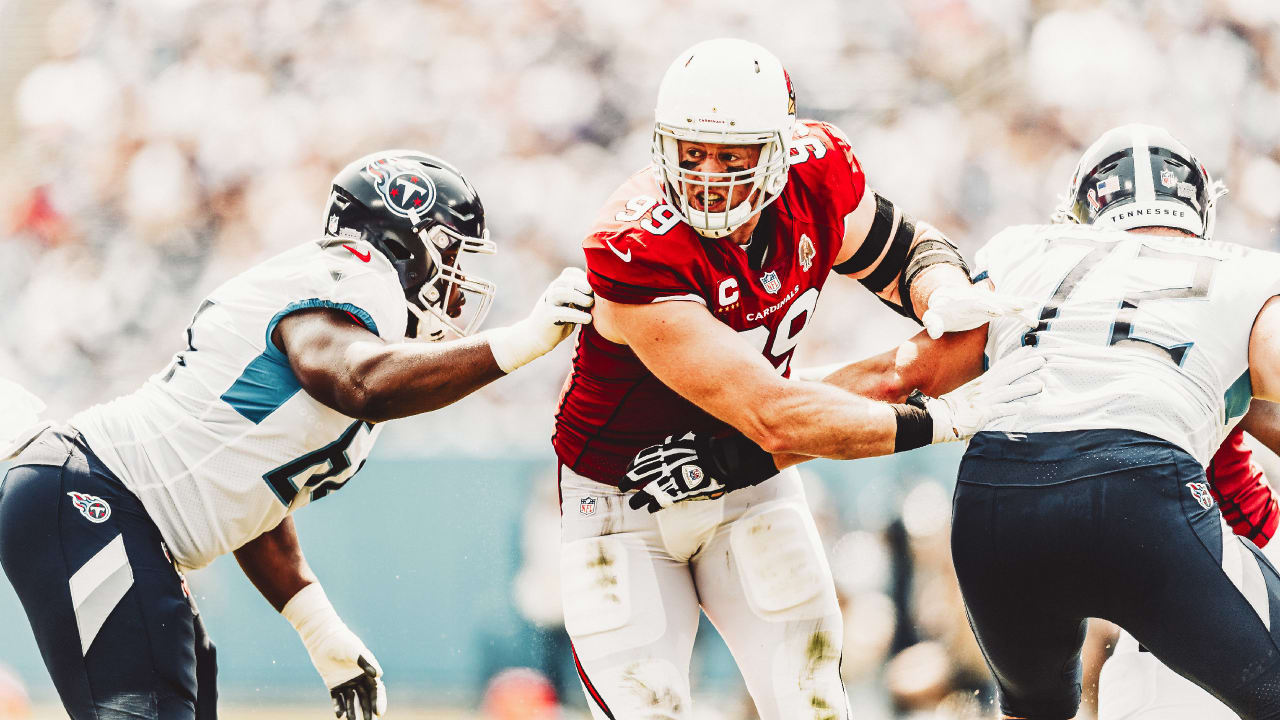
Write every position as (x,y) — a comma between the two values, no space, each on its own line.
(150,149)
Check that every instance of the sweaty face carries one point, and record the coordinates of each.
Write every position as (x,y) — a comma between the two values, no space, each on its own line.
(697,158)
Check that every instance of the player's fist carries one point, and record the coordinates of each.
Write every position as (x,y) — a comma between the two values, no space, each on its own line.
(953,308)
(670,472)
(694,466)
(563,306)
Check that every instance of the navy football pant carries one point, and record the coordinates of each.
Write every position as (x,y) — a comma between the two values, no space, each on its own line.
(1052,528)
(110,614)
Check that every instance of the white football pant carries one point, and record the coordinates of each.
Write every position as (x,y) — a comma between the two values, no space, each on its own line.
(632,584)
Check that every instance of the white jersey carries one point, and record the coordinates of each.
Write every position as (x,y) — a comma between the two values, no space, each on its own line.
(1142,332)
(223,443)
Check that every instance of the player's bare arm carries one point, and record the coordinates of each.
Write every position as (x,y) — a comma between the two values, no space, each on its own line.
(1264,352)
(709,364)
(889,242)
(353,371)
(932,366)
(916,269)
(786,421)
(274,563)
(1263,423)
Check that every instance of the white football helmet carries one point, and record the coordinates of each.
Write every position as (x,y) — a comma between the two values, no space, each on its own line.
(730,92)
(1141,176)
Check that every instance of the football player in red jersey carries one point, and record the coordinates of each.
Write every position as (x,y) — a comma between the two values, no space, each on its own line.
(707,266)
(1092,500)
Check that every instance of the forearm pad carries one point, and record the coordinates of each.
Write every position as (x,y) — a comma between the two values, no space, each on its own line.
(924,254)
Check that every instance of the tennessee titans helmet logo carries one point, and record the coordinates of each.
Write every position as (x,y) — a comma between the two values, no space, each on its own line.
(405,190)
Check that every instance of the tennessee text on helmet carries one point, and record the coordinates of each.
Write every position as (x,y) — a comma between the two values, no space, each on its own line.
(1141,176)
(423,215)
(729,92)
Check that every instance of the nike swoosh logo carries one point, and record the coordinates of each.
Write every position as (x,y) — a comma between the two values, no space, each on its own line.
(364,257)
(626,257)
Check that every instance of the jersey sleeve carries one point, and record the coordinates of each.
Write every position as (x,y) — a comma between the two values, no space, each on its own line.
(846,182)
(340,278)
(1247,502)
(630,268)
(1005,250)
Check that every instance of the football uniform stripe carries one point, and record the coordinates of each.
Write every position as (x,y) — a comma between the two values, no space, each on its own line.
(268,382)
(586,683)
(97,587)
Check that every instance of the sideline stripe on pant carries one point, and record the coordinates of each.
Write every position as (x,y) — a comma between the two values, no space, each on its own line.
(586,682)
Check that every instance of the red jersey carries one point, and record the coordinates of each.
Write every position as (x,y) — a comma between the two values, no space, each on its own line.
(1244,497)
(639,251)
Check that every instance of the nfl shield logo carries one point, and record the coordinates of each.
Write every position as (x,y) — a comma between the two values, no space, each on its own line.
(771,282)
(1167,179)
(693,476)
(587,505)
(1200,491)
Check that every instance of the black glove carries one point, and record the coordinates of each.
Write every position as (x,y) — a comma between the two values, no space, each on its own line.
(360,691)
(694,467)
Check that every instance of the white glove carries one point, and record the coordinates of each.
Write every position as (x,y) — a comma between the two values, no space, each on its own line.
(562,306)
(953,308)
(959,414)
(348,669)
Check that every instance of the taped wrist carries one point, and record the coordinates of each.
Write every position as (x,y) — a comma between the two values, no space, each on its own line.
(924,254)
(512,346)
(914,424)
(736,461)
(330,644)
(310,613)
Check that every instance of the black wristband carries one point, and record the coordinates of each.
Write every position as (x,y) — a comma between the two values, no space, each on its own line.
(915,426)
(737,462)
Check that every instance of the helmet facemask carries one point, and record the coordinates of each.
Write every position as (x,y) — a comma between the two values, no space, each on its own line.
(723,92)
(450,300)
(764,182)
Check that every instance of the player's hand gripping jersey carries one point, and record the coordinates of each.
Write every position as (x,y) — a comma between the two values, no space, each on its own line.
(639,251)
(1143,332)
(223,443)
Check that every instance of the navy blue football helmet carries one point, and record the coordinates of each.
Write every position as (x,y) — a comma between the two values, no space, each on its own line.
(423,215)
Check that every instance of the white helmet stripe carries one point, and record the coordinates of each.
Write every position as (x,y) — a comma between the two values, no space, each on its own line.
(1145,189)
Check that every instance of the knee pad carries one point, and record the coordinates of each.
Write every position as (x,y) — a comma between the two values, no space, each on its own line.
(806,672)
(647,689)
(781,559)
